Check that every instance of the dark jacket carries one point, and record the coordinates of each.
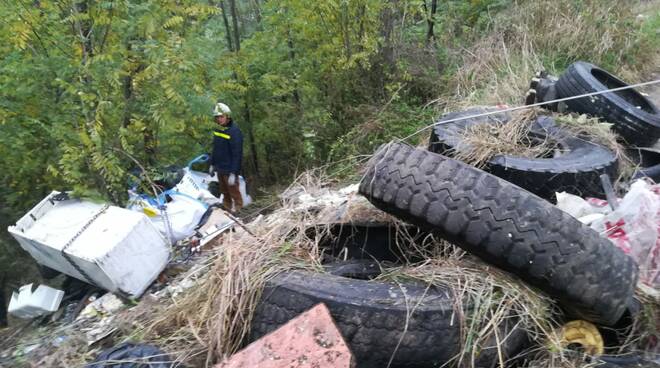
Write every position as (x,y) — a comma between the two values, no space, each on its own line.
(227,152)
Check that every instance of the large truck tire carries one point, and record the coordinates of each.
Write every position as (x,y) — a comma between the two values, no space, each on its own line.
(575,169)
(633,116)
(506,226)
(412,324)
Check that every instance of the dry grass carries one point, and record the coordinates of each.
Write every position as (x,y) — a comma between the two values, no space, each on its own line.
(484,141)
(536,35)
(642,335)
(594,130)
(644,332)
(491,303)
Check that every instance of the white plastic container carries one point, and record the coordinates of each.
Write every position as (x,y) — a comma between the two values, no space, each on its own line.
(120,251)
(28,304)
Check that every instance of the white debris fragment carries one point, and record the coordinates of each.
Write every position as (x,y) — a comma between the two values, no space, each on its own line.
(108,304)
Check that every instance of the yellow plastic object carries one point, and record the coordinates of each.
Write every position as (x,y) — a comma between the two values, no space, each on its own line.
(149,211)
(584,334)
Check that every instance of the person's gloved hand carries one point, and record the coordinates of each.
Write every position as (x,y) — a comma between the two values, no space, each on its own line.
(231,181)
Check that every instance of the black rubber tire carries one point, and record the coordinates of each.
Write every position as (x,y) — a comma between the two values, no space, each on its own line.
(576,171)
(643,157)
(633,116)
(652,173)
(372,317)
(358,269)
(504,225)
(377,241)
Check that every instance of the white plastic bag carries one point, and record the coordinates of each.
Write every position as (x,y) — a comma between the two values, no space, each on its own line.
(586,211)
(179,218)
(196,185)
(578,207)
(634,226)
(242,188)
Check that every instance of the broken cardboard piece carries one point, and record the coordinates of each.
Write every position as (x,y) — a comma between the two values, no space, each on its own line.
(29,304)
(217,223)
(309,340)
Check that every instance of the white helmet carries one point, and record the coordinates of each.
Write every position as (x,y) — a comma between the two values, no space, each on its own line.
(221,109)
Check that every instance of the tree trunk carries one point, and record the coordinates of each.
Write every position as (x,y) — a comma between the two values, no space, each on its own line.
(292,58)
(250,133)
(361,16)
(346,30)
(127,87)
(128,99)
(237,33)
(257,14)
(85,34)
(387,28)
(3,301)
(227,28)
(387,66)
(430,20)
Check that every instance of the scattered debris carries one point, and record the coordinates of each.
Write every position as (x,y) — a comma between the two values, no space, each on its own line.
(108,304)
(223,288)
(585,335)
(634,226)
(132,355)
(174,214)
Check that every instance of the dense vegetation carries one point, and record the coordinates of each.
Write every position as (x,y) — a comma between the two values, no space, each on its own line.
(89,87)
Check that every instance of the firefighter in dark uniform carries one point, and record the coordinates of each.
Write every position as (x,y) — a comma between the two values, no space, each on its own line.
(227,156)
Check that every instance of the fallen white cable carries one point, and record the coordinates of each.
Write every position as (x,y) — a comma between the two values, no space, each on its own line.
(532,105)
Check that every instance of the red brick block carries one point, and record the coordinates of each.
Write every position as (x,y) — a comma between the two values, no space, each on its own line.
(310,340)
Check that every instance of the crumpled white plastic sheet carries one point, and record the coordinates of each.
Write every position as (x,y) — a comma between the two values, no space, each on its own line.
(196,184)
(183,213)
(634,226)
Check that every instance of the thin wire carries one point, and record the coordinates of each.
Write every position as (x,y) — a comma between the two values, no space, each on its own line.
(530,106)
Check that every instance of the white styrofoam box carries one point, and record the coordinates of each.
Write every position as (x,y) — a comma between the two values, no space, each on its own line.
(28,304)
(121,251)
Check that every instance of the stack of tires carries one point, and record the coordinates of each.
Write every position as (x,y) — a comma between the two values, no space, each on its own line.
(577,166)
(377,318)
(633,117)
(501,214)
